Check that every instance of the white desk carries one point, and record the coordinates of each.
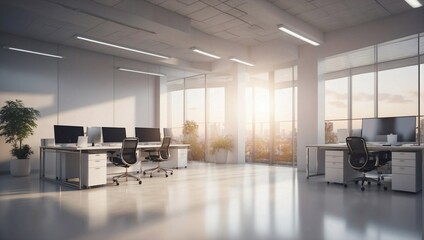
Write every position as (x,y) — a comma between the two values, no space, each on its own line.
(331,160)
(92,162)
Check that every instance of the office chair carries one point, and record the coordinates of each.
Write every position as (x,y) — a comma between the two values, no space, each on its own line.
(127,157)
(360,159)
(159,155)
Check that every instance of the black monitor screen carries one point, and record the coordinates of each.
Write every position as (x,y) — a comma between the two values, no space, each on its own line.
(113,134)
(148,134)
(67,134)
(377,129)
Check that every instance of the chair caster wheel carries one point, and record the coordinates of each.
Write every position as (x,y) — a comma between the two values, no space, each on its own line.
(117,183)
(369,183)
(385,188)
(166,175)
(345,185)
(151,176)
(362,189)
(139,182)
(172,173)
(144,173)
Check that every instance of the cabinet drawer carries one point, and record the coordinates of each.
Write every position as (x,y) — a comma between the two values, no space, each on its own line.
(96,176)
(334,175)
(97,163)
(330,164)
(401,182)
(96,156)
(403,155)
(334,153)
(403,170)
(403,162)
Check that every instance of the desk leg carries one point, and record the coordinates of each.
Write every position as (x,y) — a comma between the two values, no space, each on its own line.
(80,169)
(307,163)
(41,161)
(314,154)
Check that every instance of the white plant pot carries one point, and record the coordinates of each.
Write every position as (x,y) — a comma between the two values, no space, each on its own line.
(20,167)
(221,156)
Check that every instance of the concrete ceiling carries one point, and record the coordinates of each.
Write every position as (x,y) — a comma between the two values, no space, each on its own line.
(236,28)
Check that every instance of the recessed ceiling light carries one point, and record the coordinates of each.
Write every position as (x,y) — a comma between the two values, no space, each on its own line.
(242,62)
(205,53)
(286,30)
(414,3)
(142,72)
(121,47)
(33,52)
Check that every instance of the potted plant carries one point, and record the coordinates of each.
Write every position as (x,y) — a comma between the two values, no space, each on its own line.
(220,146)
(190,136)
(17,122)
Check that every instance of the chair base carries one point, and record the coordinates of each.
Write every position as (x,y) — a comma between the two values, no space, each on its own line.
(126,175)
(364,179)
(158,169)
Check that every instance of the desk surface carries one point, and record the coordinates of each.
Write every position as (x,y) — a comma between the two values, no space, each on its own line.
(342,146)
(109,147)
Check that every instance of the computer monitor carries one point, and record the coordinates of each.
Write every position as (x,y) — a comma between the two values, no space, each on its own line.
(148,135)
(113,134)
(67,134)
(377,129)
(94,135)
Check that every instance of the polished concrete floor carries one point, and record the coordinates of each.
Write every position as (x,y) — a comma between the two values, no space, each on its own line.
(208,201)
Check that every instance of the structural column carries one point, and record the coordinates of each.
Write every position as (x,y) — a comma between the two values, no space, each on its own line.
(235,113)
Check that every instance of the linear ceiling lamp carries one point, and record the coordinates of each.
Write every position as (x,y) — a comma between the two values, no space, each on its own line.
(204,53)
(414,3)
(286,30)
(136,71)
(33,52)
(242,62)
(121,47)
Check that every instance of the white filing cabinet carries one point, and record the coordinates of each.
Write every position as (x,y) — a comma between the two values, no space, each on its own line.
(337,169)
(406,171)
(94,169)
(177,158)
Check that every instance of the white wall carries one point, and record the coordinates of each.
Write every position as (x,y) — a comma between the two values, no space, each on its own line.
(310,91)
(84,88)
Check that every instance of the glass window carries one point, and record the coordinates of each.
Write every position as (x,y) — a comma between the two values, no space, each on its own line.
(363,95)
(176,108)
(336,99)
(195,111)
(398,92)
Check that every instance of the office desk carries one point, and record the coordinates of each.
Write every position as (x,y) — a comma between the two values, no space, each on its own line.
(331,160)
(92,162)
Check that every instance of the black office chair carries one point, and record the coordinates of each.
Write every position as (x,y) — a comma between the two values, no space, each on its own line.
(159,155)
(360,159)
(126,158)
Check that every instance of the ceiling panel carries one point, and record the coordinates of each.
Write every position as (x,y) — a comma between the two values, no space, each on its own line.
(228,25)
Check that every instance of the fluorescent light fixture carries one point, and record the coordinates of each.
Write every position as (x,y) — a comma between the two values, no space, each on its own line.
(414,3)
(282,28)
(136,71)
(242,62)
(205,53)
(33,52)
(121,47)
